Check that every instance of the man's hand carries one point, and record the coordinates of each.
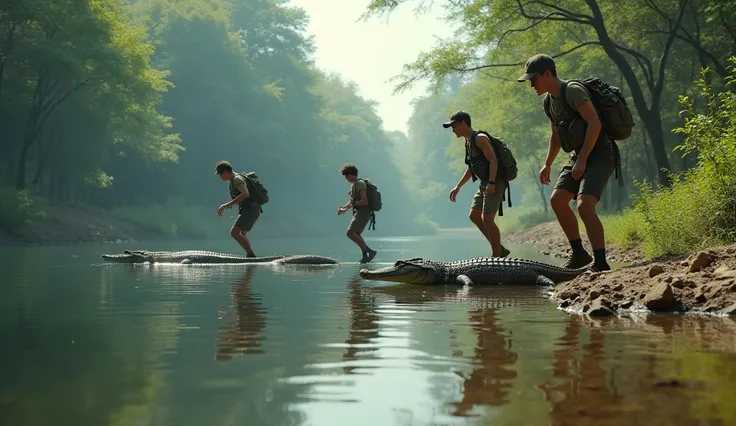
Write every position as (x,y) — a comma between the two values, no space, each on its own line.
(578,169)
(223,207)
(544,175)
(491,188)
(342,210)
(453,193)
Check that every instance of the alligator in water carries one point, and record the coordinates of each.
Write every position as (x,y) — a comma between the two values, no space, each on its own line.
(199,256)
(478,271)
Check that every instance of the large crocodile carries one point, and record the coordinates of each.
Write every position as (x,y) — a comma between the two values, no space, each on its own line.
(199,256)
(478,271)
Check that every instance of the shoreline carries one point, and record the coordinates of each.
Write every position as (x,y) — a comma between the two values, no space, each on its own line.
(702,282)
(77,224)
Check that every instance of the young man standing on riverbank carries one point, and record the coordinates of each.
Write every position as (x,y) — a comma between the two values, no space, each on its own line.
(362,214)
(483,164)
(591,163)
(248,210)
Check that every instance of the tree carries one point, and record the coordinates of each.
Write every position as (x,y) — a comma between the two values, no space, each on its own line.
(636,36)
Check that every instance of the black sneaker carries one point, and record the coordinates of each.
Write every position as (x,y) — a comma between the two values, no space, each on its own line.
(367,257)
(505,252)
(599,268)
(251,255)
(578,260)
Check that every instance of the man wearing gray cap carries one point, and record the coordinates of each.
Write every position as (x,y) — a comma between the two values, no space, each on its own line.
(482,164)
(576,129)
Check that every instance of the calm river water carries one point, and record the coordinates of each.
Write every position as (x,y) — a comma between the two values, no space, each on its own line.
(86,343)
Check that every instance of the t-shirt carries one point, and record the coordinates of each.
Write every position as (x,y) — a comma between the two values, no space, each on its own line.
(576,95)
(355,188)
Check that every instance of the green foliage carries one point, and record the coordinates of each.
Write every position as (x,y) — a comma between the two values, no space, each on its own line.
(700,208)
(173,218)
(19,209)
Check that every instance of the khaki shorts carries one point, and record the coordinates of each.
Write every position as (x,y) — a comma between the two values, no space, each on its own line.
(360,219)
(595,178)
(248,216)
(489,203)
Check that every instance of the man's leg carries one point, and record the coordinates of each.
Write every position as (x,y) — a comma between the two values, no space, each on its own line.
(591,189)
(564,192)
(484,219)
(357,224)
(243,224)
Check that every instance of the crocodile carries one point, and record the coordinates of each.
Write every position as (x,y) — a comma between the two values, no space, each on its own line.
(477,271)
(200,256)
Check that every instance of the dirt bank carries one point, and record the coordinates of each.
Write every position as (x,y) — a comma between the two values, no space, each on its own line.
(701,282)
(550,240)
(74,224)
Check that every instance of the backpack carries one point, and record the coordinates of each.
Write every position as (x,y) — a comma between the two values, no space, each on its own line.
(609,102)
(374,195)
(257,192)
(507,168)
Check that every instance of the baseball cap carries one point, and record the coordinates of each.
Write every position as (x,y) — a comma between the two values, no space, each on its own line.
(221,166)
(457,116)
(537,64)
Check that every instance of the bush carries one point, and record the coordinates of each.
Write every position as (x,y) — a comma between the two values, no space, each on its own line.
(699,209)
(19,209)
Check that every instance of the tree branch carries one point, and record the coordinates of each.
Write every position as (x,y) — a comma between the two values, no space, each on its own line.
(674,28)
(516,64)
(572,17)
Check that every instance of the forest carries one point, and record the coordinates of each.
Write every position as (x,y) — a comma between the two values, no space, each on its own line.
(127,106)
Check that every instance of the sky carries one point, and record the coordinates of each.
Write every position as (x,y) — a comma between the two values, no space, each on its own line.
(371,52)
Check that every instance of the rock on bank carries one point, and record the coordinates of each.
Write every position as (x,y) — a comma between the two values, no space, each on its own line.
(702,282)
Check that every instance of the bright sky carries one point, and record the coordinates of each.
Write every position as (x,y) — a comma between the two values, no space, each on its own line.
(372,52)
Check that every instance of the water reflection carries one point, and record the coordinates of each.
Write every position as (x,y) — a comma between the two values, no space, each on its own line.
(493,373)
(245,320)
(363,327)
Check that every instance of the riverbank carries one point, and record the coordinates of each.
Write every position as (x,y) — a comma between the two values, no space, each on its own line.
(77,224)
(699,282)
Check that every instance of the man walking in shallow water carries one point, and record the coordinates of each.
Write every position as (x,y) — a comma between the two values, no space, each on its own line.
(362,214)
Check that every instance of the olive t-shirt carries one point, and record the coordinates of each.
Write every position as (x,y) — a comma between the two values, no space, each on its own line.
(576,95)
(355,188)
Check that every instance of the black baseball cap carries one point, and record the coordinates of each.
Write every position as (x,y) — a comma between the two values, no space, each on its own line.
(457,116)
(221,166)
(537,64)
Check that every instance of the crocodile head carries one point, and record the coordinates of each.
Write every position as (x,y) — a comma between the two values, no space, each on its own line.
(410,271)
(128,256)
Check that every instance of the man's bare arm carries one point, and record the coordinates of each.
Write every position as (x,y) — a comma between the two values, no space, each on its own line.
(485,145)
(554,146)
(242,197)
(466,176)
(362,199)
(587,111)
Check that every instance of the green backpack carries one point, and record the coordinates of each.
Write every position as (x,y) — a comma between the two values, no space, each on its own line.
(374,195)
(507,167)
(256,191)
(609,102)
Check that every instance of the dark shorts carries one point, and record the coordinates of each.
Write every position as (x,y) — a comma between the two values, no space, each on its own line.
(248,216)
(598,171)
(489,203)
(360,219)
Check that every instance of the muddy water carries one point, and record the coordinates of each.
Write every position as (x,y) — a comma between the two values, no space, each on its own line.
(83,343)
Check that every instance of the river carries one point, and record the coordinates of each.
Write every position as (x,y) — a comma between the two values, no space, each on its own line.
(88,343)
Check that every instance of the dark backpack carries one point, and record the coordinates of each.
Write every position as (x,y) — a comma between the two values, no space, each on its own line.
(374,195)
(609,102)
(507,168)
(257,192)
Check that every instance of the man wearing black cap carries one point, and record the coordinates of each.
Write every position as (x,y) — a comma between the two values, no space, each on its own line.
(482,164)
(591,163)
(248,211)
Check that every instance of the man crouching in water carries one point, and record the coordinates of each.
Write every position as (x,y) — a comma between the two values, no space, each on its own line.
(361,212)
(248,211)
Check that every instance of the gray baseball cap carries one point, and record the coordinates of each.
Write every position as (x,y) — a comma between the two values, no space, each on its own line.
(537,64)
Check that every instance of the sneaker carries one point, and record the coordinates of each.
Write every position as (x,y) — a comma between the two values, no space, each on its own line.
(599,268)
(251,255)
(578,260)
(370,255)
(505,252)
